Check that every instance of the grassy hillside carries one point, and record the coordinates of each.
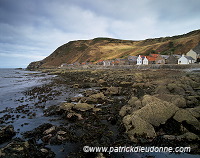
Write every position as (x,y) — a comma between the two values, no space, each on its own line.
(108,48)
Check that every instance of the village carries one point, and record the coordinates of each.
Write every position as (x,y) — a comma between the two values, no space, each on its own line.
(191,57)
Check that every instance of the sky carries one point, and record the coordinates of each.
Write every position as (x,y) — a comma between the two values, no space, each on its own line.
(30,30)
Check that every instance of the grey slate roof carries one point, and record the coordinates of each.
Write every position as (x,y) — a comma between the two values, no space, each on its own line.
(189,57)
(165,56)
(197,49)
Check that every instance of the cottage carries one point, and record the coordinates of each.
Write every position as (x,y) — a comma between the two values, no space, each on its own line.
(106,63)
(122,61)
(76,64)
(172,59)
(185,60)
(151,60)
(195,53)
(159,59)
(132,60)
(145,61)
(99,62)
(139,60)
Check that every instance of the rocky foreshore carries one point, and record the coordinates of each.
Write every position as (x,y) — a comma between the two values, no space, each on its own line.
(116,107)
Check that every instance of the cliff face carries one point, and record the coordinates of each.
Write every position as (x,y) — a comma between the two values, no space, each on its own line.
(108,48)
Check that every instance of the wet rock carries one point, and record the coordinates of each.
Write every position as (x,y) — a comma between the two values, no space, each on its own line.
(155,111)
(175,89)
(75,99)
(125,83)
(195,111)
(66,106)
(95,98)
(162,89)
(52,135)
(132,101)
(90,92)
(46,138)
(184,137)
(37,132)
(192,101)
(177,100)
(23,149)
(112,90)
(169,137)
(50,130)
(101,82)
(137,128)
(6,133)
(125,110)
(74,116)
(188,137)
(83,106)
(188,120)
(76,86)
(100,155)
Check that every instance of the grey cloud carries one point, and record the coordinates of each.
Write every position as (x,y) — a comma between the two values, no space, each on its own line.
(39,27)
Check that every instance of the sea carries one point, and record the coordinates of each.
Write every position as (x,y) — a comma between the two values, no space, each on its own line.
(13,82)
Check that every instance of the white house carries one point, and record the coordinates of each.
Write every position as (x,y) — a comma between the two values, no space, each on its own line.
(185,60)
(145,61)
(195,53)
(139,60)
(106,63)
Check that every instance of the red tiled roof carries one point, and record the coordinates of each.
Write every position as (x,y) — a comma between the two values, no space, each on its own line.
(154,55)
(151,58)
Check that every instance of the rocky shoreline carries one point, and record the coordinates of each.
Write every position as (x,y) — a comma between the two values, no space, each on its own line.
(118,107)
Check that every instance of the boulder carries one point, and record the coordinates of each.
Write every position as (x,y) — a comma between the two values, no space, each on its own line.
(101,82)
(73,115)
(192,101)
(140,128)
(127,122)
(177,100)
(132,101)
(83,106)
(113,90)
(175,89)
(66,106)
(188,136)
(50,130)
(188,120)
(162,89)
(195,111)
(76,86)
(125,110)
(155,111)
(95,98)
(89,92)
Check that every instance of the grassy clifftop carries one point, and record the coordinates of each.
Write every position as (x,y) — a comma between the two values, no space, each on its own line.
(108,48)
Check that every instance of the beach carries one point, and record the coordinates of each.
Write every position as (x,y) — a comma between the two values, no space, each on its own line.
(55,113)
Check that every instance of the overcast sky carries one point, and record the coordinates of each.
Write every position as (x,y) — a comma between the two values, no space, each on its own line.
(30,30)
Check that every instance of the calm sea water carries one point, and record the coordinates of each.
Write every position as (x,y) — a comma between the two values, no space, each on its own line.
(13,82)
